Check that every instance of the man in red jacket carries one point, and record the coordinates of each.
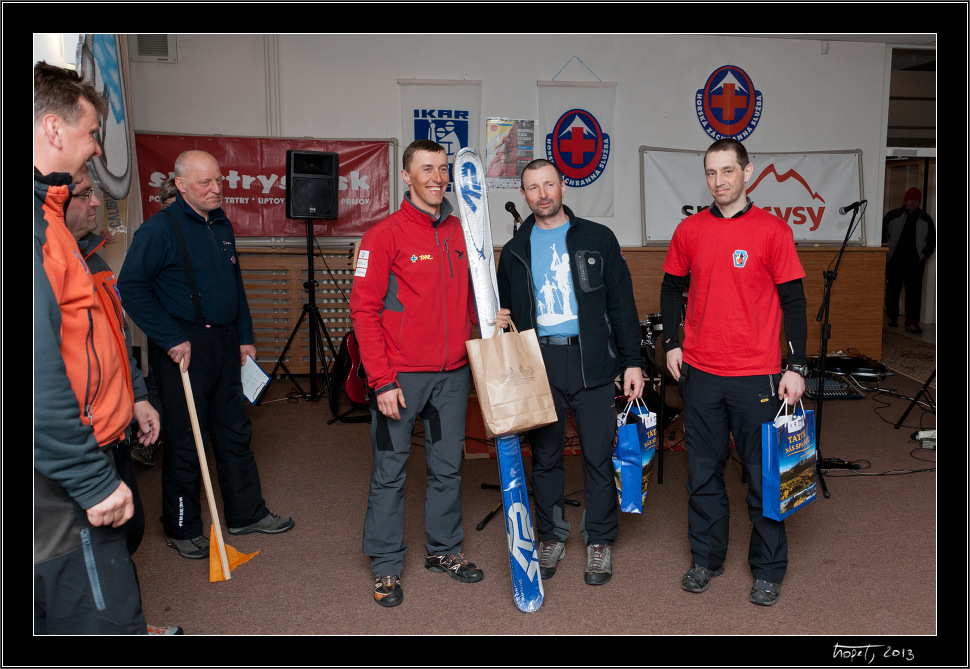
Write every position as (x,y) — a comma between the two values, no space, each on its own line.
(413,310)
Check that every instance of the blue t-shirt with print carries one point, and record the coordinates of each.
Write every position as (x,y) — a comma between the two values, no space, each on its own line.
(555,301)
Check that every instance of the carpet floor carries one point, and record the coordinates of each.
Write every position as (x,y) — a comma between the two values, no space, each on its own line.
(863,561)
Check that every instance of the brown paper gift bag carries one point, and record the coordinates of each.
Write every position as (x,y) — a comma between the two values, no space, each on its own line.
(511,382)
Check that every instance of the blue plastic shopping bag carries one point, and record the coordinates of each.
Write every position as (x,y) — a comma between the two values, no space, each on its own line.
(636,443)
(788,457)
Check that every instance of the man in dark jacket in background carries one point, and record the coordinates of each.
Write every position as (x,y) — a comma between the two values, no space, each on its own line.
(566,277)
(911,236)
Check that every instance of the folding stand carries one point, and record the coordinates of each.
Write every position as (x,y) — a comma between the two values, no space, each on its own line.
(498,507)
(912,405)
(316,328)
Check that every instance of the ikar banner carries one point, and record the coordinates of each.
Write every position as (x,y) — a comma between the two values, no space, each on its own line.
(806,190)
(444,111)
(254,190)
(575,127)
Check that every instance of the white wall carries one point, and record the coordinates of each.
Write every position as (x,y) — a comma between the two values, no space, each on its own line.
(346,86)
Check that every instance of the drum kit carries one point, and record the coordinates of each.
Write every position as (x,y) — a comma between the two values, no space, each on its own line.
(652,328)
(651,343)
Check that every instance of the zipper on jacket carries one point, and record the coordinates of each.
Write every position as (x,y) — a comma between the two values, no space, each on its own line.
(92,358)
(92,569)
(451,268)
(444,297)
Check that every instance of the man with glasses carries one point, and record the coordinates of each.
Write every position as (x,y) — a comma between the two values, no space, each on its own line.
(181,284)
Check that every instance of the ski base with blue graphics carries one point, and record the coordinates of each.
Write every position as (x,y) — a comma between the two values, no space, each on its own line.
(472,197)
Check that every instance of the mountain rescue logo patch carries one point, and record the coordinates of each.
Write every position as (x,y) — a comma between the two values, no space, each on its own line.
(729,105)
(579,147)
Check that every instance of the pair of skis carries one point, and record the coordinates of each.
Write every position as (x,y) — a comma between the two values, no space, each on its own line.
(472,198)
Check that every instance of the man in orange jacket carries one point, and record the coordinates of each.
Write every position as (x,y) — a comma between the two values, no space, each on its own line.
(83,396)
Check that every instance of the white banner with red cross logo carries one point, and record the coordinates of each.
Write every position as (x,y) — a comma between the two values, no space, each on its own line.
(575,127)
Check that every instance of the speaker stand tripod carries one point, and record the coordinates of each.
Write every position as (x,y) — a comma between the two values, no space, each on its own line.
(317,328)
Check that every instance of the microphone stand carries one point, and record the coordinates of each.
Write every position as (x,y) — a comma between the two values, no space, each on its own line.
(516,220)
(825,332)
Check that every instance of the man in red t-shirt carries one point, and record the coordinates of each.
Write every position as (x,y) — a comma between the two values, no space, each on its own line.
(745,278)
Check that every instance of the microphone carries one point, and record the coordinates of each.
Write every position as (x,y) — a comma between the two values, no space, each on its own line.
(516,219)
(852,207)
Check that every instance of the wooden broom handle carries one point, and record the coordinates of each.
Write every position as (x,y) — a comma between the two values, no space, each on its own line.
(193,416)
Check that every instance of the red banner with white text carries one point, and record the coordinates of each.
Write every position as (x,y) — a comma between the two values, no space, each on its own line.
(254,190)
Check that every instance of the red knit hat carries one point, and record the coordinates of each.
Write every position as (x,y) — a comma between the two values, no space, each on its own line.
(913,193)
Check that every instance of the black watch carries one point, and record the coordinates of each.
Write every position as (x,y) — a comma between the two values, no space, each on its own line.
(801,370)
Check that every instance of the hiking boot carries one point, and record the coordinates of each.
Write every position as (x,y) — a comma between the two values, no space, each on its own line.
(764,593)
(550,553)
(143,455)
(698,578)
(388,591)
(456,566)
(270,524)
(599,564)
(194,549)
(170,629)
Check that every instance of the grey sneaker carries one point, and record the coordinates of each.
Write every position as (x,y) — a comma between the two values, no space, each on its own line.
(270,524)
(698,578)
(194,549)
(599,564)
(550,553)
(764,593)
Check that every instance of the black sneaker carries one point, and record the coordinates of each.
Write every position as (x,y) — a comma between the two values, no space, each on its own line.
(764,593)
(698,578)
(194,549)
(388,591)
(270,524)
(456,566)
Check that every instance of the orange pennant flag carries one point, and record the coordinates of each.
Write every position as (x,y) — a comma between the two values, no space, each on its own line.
(234,557)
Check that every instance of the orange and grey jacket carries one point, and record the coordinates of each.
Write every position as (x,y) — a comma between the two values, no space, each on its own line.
(82,384)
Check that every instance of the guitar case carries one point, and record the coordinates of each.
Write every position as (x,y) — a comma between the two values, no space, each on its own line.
(336,383)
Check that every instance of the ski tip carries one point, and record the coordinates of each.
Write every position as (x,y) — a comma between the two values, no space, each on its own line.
(530,606)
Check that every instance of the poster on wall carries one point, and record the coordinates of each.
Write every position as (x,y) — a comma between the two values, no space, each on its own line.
(509,147)
(101,59)
(576,124)
(254,190)
(806,190)
(446,112)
